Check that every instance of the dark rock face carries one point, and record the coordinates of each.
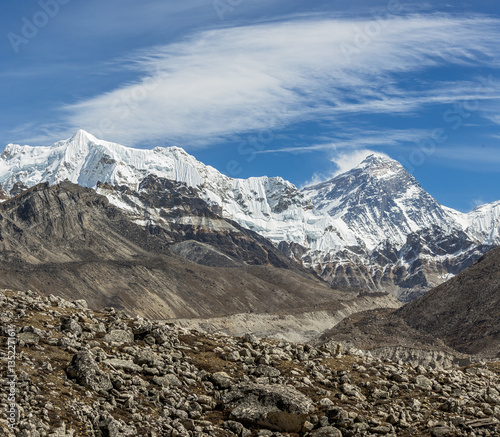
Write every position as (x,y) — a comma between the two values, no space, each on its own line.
(203,254)
(18,188)
(427,258)
(184,216)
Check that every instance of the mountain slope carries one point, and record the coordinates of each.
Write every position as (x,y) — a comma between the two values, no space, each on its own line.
(373,227)
(462,315)
(465,311)
(71,241)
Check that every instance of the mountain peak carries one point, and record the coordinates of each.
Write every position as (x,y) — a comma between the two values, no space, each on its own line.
(377,160)
(82,136)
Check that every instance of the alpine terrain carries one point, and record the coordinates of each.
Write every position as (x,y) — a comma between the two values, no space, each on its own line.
(373,227)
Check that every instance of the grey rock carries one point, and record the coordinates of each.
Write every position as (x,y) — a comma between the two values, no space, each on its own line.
(119,336)
(148,357)
(85,370)
(381,429)
(441,431)
(127,365)
(233,356)
(327,431)
(81,303)
(267,371)
(59,432)
(423,382)
(28,338)
(276,407)
(71,325)
(167,380)
(237,428)
(221,380)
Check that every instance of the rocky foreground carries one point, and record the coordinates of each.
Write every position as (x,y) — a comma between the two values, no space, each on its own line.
(85,373)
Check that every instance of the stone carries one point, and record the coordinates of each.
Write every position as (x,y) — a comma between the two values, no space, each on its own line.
(267,371)
(148,357)
(237,428)
(441,431)
(423,382)
(381,429)
(167,380)
(61,431)
(81,303)
(233,356)
(275,407)
(71,325)
(85,370)
(127,365)
(327,431)
(28,338)
(119,336)
(221,380)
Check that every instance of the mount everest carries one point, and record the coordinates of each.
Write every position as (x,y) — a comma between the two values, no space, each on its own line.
(373,227)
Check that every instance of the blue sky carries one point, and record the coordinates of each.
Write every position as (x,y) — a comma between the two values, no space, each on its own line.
(296,89)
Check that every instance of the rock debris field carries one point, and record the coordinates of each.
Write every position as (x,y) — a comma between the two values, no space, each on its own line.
(86,373)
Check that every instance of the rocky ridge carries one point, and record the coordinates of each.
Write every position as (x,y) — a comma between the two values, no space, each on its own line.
(86,373)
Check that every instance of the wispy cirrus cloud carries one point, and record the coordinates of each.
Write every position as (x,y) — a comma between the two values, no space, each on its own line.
(230,81)
(355,139)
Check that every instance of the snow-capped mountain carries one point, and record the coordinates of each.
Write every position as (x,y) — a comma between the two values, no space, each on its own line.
(271,206)
(373,227)
(380,200)
(411,240)
(484,223)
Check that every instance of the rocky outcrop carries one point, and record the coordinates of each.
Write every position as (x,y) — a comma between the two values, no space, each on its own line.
(203,254)
(171,381)
(86,372)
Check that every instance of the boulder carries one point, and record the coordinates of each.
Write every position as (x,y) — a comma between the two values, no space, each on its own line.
(119,336)
(127,365)
(85,370)
(327,431)
(277,407)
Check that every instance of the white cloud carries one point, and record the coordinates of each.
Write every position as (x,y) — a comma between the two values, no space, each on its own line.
(234,80)
(355,138)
